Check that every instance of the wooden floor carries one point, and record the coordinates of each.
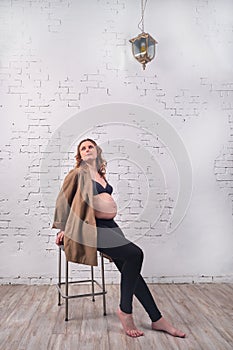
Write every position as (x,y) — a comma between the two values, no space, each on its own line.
(31,319)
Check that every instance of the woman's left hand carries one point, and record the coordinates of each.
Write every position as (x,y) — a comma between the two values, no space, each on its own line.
(60,237)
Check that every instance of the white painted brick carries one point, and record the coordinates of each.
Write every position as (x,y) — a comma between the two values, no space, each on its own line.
(223,163)
(219,170)
(225,184)
(128,176)
(4,223)
(225,177)
(135,210)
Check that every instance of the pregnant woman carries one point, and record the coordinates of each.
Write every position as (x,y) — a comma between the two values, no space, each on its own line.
(84,214)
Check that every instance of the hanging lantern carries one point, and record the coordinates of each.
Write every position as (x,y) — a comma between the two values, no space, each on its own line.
(143,46)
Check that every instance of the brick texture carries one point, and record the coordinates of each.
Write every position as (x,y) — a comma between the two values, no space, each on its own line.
(38,96)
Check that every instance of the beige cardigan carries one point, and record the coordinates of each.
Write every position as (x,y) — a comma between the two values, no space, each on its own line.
(74,214)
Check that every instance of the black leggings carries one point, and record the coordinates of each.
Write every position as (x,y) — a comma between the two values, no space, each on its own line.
(128,258)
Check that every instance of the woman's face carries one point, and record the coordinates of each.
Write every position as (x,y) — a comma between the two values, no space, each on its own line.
(88,151)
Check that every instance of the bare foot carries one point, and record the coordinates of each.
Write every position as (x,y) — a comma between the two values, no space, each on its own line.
(128,324)
(163,325)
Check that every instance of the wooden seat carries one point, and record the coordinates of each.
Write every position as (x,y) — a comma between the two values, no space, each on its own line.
(65,294)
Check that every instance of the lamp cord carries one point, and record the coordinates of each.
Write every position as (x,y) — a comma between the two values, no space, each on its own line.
(141,23)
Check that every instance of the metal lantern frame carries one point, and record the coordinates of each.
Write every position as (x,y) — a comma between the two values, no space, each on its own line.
(143,48)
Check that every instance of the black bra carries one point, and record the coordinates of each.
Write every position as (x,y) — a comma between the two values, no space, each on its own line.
(98,188)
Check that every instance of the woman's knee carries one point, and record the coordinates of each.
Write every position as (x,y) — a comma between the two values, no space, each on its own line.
(136,253)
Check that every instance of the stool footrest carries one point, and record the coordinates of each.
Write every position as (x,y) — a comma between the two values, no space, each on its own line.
(79,295)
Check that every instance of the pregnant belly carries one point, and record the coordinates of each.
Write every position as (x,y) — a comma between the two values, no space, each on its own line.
(104,206)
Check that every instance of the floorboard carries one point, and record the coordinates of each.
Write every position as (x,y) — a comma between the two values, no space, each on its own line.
(30,318)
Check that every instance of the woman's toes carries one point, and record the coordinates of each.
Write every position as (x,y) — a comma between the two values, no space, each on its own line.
(128,324)
(179,333)
(163,325)
(134,333)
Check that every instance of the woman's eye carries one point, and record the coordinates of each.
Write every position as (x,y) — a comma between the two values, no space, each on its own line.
(83,148)
(91,147)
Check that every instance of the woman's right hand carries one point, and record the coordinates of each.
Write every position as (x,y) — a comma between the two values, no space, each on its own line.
(60,237)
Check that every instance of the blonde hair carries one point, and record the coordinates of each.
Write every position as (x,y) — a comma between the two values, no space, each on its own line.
(100,162)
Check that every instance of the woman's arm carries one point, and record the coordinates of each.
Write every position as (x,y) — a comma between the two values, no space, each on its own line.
(64,200)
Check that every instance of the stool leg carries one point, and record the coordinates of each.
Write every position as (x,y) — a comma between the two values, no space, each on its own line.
(66,308)
(59,276)
(103,284)
(92,283)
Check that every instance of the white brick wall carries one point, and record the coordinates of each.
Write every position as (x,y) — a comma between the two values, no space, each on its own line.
(60,60)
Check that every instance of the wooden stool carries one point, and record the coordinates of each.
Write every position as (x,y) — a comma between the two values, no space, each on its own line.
(66,296)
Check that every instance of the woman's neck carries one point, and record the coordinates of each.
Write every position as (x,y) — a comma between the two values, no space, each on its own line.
(93,169)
